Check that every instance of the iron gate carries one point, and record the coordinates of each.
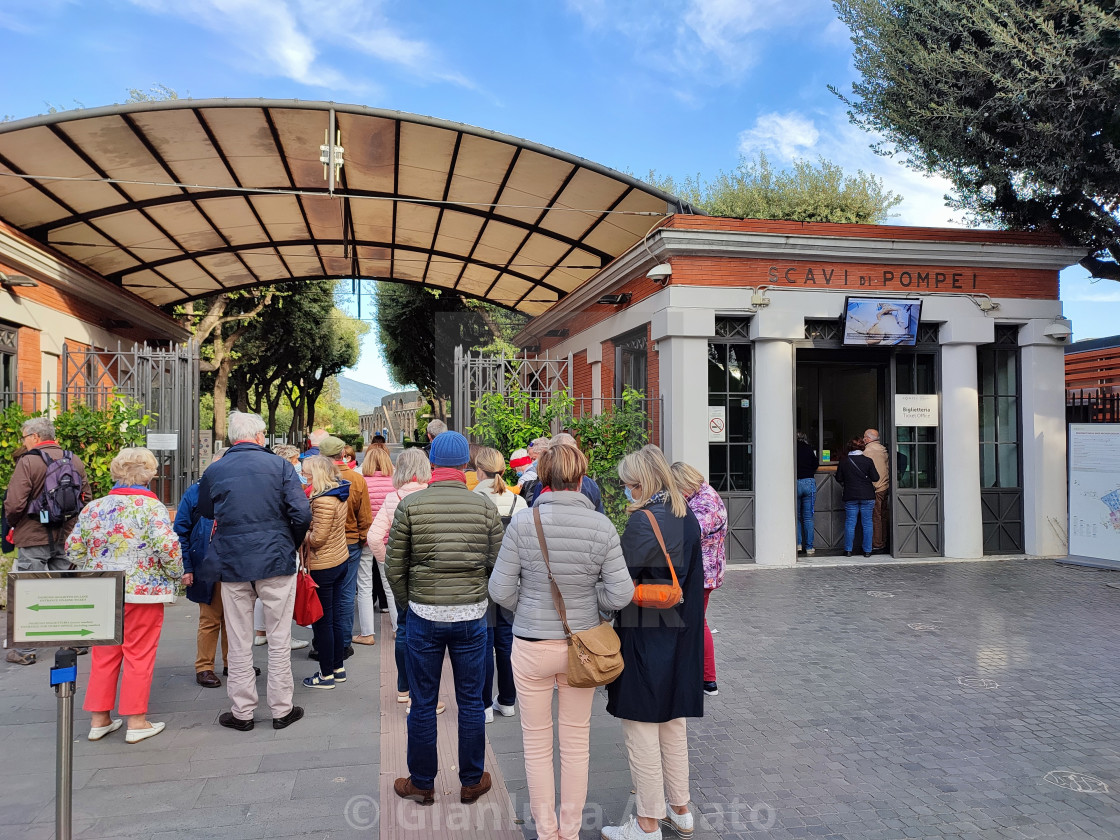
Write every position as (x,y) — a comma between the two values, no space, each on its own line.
(164,381)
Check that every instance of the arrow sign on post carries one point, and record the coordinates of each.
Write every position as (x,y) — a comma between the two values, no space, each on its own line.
(59,633)
(37,607)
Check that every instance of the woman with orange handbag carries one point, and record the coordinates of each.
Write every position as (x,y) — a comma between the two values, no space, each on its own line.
(662,635)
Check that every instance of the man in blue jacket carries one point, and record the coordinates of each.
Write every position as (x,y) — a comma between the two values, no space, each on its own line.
(261,516)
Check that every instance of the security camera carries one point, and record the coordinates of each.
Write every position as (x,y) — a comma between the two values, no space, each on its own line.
(660,273)
(1059,331)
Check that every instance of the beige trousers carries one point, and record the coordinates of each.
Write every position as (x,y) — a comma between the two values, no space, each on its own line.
(536,667)
(658,764)
(210,625)
(278,596)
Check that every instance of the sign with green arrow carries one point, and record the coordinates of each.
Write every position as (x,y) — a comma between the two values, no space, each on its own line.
(47,609)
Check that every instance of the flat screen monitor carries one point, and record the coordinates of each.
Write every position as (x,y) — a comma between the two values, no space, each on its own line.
(881,322)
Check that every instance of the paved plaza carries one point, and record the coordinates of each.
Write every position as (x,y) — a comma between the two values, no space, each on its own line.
(974,700)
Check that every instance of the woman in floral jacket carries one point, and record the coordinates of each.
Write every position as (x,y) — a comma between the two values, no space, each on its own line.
(712,515)
(128,530)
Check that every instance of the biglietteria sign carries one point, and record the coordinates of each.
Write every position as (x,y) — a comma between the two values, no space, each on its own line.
(915,409)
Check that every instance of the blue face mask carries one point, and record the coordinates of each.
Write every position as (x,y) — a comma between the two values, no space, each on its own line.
(629,495)
(302,478)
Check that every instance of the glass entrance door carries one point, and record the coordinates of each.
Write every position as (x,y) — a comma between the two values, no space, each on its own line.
(839,395)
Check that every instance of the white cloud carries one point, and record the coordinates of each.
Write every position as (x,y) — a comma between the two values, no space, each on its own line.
(793,135)
(288,37)
(705,38)
(789,136)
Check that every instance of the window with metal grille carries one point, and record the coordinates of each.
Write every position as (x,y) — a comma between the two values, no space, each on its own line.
(998,385)
(731,463)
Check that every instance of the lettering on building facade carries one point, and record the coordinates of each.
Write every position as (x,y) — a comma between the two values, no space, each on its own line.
(887,278)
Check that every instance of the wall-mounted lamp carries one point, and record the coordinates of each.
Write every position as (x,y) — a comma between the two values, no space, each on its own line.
(615,300)
(1059,331)
(9,281)
(758,297)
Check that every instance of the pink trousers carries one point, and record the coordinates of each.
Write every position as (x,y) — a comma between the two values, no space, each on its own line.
(536,666)
(136,658)
(709,644)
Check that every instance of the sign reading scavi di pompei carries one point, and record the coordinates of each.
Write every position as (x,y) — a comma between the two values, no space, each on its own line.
(881,278)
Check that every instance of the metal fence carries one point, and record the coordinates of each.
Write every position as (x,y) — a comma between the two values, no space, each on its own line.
(1092,407)
(652,407)
(477,374)
(163,381)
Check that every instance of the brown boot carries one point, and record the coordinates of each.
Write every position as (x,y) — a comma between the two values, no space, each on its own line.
(207,679)
(405,789)
(469,793)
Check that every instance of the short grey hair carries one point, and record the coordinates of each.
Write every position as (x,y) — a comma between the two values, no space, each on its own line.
(317,436)
(436,427)
(134,465)
(412,464)
(41,426)
(244,426)
(563,439)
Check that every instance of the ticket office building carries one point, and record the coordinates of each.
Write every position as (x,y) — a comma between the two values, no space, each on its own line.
(745,345)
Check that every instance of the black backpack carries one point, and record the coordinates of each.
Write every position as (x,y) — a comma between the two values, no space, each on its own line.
(507,517)
(61,498)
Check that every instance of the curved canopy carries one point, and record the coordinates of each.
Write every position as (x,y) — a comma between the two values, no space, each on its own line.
(181,199)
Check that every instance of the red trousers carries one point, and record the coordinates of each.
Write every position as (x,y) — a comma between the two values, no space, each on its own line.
(136,658)
(709,645)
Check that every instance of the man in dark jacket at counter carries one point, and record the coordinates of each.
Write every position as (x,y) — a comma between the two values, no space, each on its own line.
(442,547)
(261,516)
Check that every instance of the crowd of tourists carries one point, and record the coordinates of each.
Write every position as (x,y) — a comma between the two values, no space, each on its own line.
(529,586)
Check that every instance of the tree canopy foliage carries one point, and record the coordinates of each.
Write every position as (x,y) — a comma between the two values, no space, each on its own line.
(1017,102)
(806,192)
(419,327)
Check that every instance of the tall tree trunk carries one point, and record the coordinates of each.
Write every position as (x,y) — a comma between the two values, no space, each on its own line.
(221,387)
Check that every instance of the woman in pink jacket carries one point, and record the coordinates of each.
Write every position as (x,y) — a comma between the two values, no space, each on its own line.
(413,472)
(377,470)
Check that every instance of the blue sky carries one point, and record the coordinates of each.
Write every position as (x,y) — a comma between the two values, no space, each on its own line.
(680,86)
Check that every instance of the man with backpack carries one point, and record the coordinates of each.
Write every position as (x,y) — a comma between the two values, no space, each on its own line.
(47,491)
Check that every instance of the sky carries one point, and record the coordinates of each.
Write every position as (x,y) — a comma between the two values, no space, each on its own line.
(682,87)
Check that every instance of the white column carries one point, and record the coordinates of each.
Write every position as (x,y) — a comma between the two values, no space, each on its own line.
(1045,516)
(684,390)
(960,452)
(774,457)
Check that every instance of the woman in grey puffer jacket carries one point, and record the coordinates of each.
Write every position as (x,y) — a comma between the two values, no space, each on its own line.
(590,571)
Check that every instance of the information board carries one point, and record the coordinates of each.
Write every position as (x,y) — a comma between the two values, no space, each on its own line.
(915,410)
(49,609)
(1094,490)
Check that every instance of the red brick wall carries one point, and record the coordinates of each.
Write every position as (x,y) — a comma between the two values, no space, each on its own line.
(1087,370)
(29,363)
(606,371)
(581,383)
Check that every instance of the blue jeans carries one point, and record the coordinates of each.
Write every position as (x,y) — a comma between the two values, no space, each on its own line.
(806,503)
(499,643)
(400,648)
(344,615)
(465,643)
(862,509)
(328,636)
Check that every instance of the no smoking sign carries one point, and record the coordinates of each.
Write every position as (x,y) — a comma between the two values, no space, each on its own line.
(717,424)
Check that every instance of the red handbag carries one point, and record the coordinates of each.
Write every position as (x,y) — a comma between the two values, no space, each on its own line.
(308,610)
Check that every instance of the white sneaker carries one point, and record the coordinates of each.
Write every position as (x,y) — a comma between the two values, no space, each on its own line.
(810,552)
(299,644)
(681,824)
(260,640)
(505,711)
(490,715)
(629,831)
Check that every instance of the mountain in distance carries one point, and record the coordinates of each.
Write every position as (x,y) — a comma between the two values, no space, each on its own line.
(358,395)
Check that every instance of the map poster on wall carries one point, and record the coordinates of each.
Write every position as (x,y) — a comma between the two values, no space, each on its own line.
(1094,490)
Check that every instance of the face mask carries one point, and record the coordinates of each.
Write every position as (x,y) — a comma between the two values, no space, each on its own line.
(629,495)
(302,479)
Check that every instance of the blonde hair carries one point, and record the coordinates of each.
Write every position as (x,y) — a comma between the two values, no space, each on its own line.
(412,464)
(323,472)
(493,463)
(648,469)
(689,479)
(134,465)
(377,459)
(286,451)
(562,467)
